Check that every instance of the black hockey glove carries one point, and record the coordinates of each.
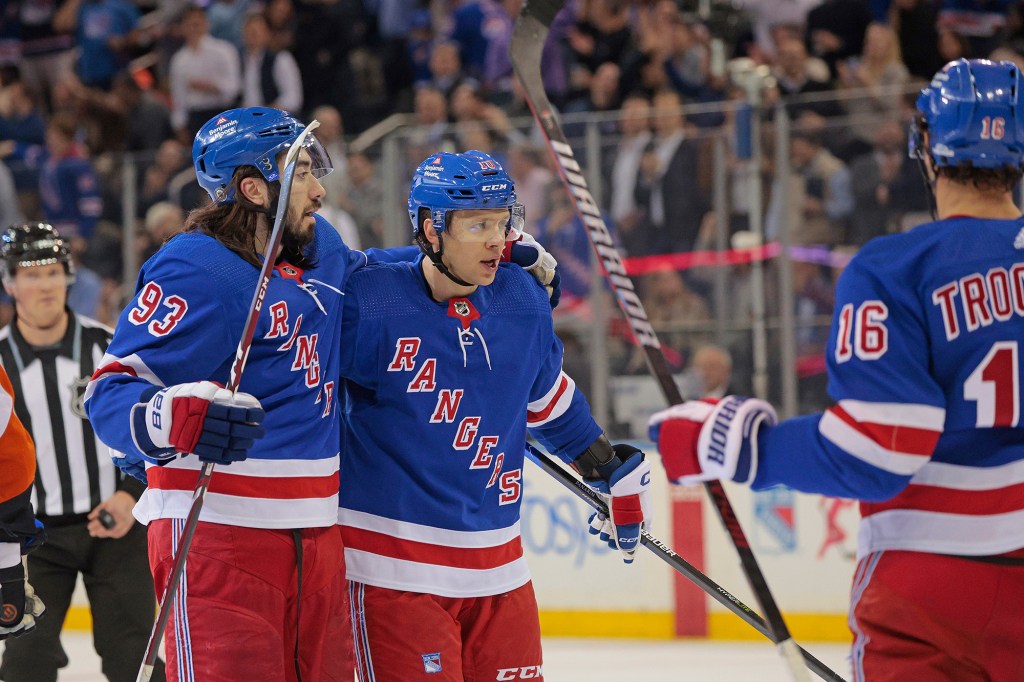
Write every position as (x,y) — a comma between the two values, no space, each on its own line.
(19,607)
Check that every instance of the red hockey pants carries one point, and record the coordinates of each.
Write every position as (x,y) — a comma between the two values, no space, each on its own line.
(234,616)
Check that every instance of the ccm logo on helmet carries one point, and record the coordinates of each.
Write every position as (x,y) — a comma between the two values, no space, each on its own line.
(492,188)
(530,672)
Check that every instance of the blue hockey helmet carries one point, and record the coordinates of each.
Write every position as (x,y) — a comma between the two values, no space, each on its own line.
(974,116)
(252,136)
(453,182)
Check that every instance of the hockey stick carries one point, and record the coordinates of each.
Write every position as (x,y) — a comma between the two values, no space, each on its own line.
(241,355)
(528,36)
(676,562)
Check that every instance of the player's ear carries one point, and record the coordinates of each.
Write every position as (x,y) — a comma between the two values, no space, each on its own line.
(429,232)
(255,190)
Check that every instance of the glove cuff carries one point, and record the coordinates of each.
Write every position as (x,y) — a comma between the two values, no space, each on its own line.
(627,484)
(10,554)
(727,446)
(140,418)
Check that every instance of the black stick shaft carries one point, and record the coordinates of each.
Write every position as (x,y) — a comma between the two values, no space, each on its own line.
(676,562)
(528,38)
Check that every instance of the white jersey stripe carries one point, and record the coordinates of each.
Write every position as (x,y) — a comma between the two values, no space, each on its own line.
(554,403)
(6,409)
(896,414)
(427,534)
(961,477)
(133,361)
(940,533)
(447,581)
(234,510)
(852,441)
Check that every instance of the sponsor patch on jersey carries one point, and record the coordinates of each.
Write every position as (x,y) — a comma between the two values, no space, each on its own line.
(432,662)
(1018,241)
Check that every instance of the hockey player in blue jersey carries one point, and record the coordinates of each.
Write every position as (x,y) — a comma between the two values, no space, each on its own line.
(925,368)
(157,395)
(240,611)
(446,361)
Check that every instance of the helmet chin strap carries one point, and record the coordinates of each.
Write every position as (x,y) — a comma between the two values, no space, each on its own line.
(435,258)
(929,185)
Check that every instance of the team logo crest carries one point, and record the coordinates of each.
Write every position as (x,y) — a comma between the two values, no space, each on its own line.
(432,662)
(77,403)
(775,511)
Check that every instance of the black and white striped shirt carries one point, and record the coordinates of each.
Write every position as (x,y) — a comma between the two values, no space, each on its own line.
(74,471)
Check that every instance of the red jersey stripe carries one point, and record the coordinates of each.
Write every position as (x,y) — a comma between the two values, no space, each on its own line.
(902,439)
(112,368)
(948,501)
(386,545)
(271,487)
(563,383)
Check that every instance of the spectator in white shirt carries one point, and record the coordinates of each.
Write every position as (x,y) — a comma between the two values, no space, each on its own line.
(269,78)
(205,75)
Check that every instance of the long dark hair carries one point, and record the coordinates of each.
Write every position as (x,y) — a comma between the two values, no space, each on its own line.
(234,224)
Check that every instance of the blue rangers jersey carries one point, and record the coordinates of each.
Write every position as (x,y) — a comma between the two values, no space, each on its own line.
(183,325)
(924,365)
(438,398)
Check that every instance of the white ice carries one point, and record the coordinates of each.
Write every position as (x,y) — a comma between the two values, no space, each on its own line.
(593,660)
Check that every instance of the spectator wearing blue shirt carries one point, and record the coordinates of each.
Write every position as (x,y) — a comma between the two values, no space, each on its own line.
(68,189)
(22,128)
(104,30)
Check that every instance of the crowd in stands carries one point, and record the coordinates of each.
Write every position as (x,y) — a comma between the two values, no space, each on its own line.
(86,85)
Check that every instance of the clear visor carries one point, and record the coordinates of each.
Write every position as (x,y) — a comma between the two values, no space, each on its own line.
(485,226)
(319,160)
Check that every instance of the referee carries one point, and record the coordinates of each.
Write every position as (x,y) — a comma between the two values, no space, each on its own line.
(85,504)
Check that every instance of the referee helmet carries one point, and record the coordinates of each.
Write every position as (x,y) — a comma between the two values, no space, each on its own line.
(31,244)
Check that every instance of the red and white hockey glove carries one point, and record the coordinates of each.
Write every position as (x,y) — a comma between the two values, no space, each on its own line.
(707,440)
(201,418)
(527,253)
(627,494)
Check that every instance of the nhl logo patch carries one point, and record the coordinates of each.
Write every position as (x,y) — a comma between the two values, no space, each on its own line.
(432,662)
(462,310)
